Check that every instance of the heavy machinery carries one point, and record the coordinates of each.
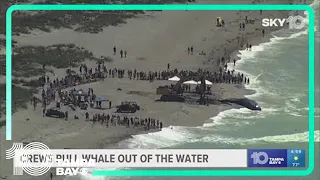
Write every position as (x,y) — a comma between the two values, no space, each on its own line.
(55,113)
(127,107)
(175,93)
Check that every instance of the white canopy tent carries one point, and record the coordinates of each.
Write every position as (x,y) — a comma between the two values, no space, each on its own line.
(206,81)
(191,82)
(175,78)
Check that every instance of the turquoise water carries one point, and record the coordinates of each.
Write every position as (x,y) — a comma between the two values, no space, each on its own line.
(279,75)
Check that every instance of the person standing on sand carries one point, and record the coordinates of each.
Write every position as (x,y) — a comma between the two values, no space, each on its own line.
(34,103)
(263,32)
(51,176)
(44,103)
(191,50)
(87,116)
(188,51)
(110,104)
(250,46)
(168,66)
(234,62)
(94,119)
(66,115)
(125,53)
(114,50)
(121,53)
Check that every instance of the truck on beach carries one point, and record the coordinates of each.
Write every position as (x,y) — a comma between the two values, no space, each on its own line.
(55,113)
(128,107)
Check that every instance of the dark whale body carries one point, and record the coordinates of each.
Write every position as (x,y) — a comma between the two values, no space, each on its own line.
(245,102)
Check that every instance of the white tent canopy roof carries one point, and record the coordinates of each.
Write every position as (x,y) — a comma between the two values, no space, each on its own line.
(191,82)
(207,82)
(175,78)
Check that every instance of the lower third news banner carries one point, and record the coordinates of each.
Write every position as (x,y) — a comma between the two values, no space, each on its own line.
(73,161)
(130,158)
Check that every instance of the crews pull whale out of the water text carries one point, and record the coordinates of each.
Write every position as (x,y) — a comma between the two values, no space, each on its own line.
(146,158)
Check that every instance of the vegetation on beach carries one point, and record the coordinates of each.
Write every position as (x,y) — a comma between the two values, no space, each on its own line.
(29,61)
(81,21)
(31,83)
(2,99)
(20,98)
(2,123)
(2,65)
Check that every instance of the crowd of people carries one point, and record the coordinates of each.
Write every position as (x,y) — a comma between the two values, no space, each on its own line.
(107,119)
(53,88)
(86,75)
(101,72)
(117,120)
(78,97)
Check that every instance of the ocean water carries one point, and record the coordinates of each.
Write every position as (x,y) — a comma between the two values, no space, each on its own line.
(278,72)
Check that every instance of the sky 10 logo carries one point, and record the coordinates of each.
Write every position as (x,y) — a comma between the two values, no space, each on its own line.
(295,22)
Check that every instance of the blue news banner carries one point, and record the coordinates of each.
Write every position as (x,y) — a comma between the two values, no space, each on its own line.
(276,158)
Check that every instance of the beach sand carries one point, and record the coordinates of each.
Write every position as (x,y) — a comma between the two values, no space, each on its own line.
(152,41)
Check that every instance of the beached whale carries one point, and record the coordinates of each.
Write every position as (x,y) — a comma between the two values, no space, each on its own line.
(245,102)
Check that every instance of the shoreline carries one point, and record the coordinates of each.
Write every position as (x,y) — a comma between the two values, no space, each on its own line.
(114,141)
(255,41)
(243,92)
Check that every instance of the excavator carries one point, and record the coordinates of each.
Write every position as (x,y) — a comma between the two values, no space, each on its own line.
(175,93)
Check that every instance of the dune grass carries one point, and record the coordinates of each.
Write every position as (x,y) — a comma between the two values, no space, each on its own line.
(29,61)
(87,21)
(20,98)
